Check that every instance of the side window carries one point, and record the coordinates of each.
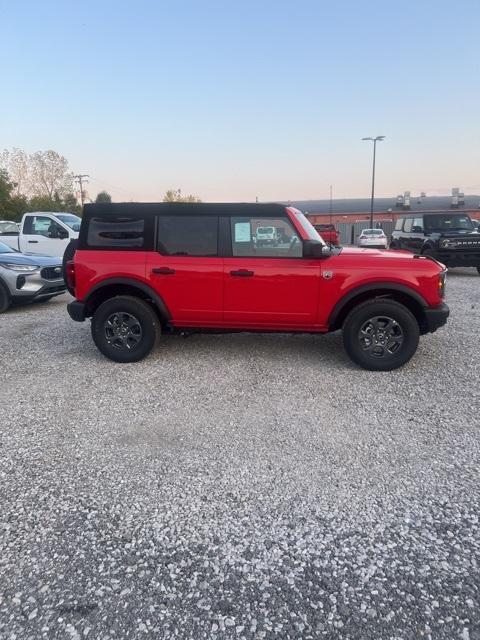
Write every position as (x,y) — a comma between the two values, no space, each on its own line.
(116,233)
(265,237)
(399,224)
(417,226)
(408,225)
(188,235)
(42,226)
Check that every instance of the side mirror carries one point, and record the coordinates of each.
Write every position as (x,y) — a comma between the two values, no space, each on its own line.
(62,233)
(417,230)
(314,249)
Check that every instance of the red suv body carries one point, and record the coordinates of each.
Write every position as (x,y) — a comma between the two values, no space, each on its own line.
(328,233)
(140,269)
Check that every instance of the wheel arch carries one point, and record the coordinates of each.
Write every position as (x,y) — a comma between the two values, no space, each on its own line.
(126,286)
(400,293)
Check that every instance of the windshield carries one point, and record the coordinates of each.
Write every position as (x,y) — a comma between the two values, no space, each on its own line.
(265,230)
(4,248)
(448,222)
(372,232)
(308,227)
(70,220)
(8,227)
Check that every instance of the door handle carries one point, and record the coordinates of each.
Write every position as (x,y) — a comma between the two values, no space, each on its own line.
(164,271)
(33,241)
(244,273)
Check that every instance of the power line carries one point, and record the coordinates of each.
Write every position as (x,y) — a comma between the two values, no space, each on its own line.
(80,178)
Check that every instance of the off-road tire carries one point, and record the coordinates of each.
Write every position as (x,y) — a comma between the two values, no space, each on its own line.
(4,299)
(404,323)
(131,307)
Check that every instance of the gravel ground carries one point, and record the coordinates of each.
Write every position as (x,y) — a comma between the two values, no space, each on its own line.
(238,486)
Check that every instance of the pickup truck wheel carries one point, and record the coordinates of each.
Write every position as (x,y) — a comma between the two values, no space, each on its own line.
(380,335)
(125,328)
(4,299)
(478,270)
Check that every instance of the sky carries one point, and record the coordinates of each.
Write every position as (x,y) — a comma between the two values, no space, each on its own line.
(236,99)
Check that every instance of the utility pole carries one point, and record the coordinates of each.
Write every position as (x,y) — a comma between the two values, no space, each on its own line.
(80,178)
(374,140)
(331,203)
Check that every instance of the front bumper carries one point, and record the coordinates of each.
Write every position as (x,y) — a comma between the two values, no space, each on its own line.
(25,286)
(77,310)
(457,258)
(436,317)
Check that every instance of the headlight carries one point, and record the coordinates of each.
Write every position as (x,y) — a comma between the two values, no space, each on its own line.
(21,267)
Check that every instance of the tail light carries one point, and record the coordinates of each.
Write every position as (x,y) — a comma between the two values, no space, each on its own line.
(70,274)
(442,279)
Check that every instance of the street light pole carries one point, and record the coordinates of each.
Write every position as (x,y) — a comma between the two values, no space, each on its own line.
(374,140)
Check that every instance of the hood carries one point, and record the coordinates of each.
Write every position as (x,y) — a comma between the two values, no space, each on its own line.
(473,235)
(29,258)
(387,256)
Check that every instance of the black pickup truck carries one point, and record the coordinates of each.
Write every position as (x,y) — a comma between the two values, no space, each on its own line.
(450,238)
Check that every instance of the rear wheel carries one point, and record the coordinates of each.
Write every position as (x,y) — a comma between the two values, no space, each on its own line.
(380,335)
(125,328)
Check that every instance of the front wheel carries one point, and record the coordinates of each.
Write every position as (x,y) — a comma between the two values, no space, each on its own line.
(125,328)
(4,299)
(380,335)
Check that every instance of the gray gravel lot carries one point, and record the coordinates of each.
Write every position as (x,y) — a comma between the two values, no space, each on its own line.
(238,486)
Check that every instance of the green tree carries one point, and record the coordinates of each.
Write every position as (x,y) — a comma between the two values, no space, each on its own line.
(103,197)
(175,195)
(6,188)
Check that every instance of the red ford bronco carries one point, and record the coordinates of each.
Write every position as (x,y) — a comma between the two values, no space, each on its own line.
(142,269)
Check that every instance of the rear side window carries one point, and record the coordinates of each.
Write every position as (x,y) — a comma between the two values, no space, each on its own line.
(399,224)
(187,235)
(408,225)
(116,233)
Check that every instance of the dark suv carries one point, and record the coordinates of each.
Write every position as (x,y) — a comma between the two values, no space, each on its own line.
(451,238)
(143,269)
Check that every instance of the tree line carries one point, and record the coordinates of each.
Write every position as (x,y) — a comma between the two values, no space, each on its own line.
(43,181)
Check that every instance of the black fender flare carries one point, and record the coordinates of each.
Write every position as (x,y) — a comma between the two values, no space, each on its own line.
(383,286)
(137,284)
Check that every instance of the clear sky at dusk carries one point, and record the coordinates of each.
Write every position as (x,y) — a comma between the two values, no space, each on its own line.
(235,99)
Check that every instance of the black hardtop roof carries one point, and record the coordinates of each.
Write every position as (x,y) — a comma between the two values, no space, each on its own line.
(183,208)
(419,214)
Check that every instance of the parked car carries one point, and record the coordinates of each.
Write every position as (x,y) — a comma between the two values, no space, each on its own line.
(27,278)
(43,232)
(142,269)
(450,238)
(267,235)
(328,233)
(8,227)
(373,238)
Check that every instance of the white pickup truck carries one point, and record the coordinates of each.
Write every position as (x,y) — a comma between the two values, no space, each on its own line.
(43,232)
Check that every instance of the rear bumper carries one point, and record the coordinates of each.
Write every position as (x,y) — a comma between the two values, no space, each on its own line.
(77,310)
(436,317)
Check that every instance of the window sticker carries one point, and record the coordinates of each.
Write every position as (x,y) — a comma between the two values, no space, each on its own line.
(242,232)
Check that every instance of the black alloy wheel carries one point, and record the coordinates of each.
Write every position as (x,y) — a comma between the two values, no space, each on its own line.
(125,328)
(380,334)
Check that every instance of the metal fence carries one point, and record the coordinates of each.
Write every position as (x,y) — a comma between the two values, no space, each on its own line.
(350,230)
